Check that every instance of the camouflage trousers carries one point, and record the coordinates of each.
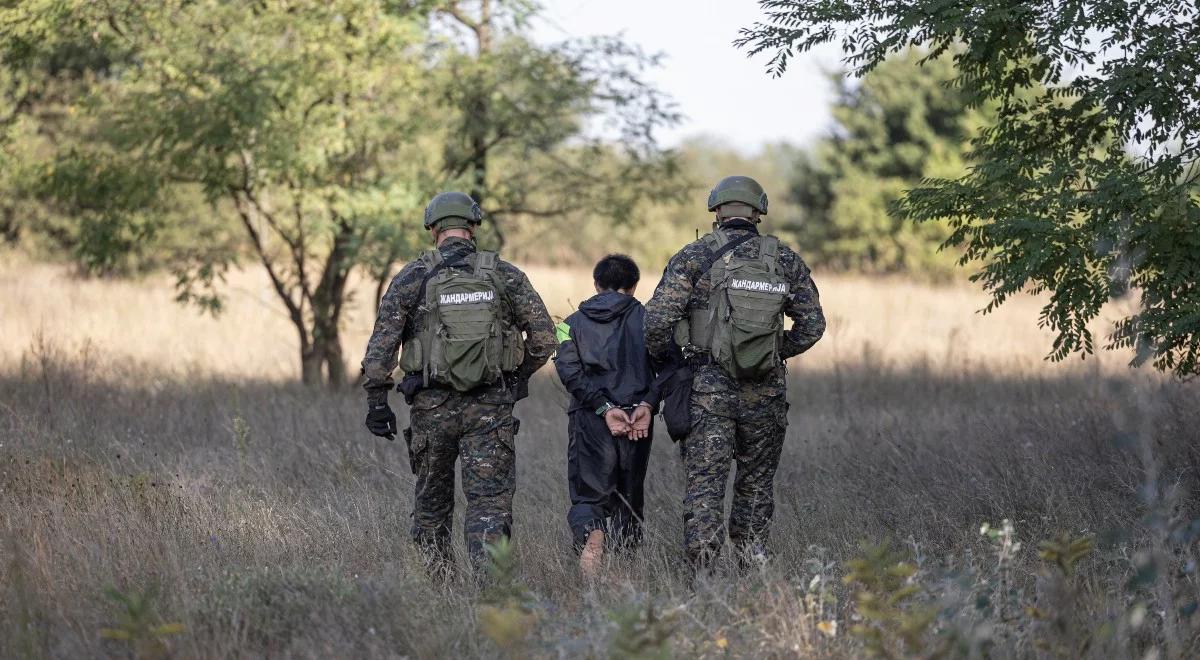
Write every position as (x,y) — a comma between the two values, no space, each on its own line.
(444,428)
(742,429)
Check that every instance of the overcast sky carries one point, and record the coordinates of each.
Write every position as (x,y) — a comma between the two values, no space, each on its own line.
(696,36)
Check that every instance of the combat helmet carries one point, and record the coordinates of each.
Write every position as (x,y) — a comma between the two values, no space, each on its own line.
(740,189)
(451,210)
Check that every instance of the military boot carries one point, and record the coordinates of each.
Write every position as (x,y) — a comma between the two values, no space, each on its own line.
(753,555)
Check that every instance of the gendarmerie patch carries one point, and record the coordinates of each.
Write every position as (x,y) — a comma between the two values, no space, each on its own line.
(755,285)
(466,298)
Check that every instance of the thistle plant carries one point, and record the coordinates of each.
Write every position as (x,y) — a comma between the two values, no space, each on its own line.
(139,625)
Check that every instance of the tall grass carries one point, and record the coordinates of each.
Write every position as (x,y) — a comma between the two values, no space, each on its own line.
(162,477)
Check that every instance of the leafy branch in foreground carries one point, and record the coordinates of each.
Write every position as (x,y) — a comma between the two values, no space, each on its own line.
(1086,185)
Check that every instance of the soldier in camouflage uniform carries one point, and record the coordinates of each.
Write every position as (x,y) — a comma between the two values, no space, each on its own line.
(476,426)
(732,421)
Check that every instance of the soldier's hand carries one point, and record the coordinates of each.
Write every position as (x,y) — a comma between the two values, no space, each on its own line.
(518,385)
(381,421)
(639,424)
(617,421)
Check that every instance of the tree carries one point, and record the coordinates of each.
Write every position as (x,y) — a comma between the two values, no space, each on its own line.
(545,131)
(289,117)
(1086,186)
(311,128)
(44,71)
(900,124)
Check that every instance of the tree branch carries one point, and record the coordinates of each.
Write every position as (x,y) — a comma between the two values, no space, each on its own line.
(294,311)
(456,12)
(296,247)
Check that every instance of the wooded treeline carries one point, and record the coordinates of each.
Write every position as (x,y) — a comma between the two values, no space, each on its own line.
(305,137)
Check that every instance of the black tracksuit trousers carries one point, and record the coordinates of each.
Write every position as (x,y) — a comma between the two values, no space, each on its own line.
(605,475)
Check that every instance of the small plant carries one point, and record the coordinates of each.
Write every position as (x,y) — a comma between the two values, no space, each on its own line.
(241,441)
(27,638)
(643,633)
(506,617)
(1006,547)
(893,622)
(820,601)
(1060,627)
(1066,551)
(140,627)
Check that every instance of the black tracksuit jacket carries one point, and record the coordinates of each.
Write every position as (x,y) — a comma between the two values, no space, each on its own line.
(602,354)
(602,358)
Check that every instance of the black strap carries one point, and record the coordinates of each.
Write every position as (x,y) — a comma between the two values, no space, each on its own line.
(722,251)
(442,265)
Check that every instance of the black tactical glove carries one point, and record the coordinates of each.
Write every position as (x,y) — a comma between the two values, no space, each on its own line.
(381,421)
(410,386)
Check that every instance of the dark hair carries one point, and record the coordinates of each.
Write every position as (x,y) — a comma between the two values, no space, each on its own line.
(616,271)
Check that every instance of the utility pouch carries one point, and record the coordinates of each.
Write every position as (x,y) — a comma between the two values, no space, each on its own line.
(412,356)
(677,399)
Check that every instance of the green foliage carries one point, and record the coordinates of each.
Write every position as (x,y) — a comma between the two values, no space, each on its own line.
(900,124)
(504,575)
(139,626)
(643,632)
(1065,551)
(660,223)
(1086,185)
(304,134)
(506,616)
(546,131)
(894,622)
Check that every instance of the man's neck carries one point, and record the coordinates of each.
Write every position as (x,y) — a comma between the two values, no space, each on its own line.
(444,236)
(738,223)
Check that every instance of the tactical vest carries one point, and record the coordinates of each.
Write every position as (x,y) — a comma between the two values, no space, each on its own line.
(743,323)
(468,338)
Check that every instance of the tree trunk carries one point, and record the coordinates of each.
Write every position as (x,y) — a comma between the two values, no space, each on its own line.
(322,361)
(327,303)
(480,110)
(335,362)
(311,360)
(10,231)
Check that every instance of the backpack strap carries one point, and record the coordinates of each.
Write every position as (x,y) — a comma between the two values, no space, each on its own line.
(768,251)
(433,259)
(485,263)
(715,239)
(486,267)
(714,256)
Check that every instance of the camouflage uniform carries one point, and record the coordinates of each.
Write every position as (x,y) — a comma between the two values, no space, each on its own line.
(731,421)
(477,426)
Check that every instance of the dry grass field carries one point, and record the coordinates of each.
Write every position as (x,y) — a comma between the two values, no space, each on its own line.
(167,489)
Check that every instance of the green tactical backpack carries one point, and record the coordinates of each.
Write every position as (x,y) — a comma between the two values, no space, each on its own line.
(743,324)
(468,338)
